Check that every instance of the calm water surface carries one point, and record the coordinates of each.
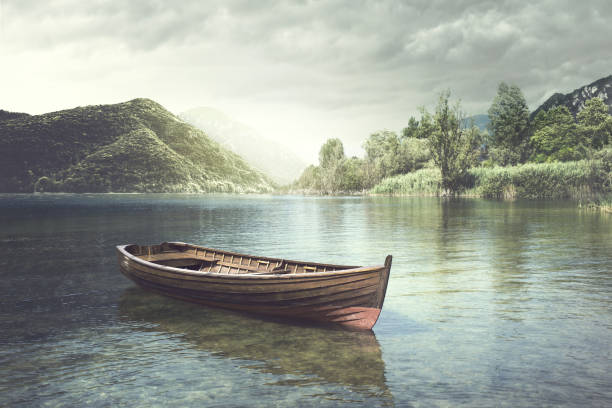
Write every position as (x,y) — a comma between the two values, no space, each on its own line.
(489,304)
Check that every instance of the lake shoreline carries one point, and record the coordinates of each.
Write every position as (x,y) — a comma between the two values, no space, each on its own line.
(592,199)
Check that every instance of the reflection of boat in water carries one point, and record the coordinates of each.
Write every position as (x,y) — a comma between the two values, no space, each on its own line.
(346,295)
(313,353)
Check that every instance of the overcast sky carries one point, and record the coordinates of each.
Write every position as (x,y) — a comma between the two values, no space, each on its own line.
(298,72)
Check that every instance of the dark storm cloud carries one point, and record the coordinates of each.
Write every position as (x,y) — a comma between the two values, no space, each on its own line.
(386,57)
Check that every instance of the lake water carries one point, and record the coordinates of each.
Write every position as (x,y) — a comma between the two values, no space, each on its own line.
(489,304)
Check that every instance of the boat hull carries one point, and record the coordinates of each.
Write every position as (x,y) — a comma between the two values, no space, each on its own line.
(348,296)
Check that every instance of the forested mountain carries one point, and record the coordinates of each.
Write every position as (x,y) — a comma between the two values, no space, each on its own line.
(6,115)
(135,146)
(481,121)
(575,100)
(273,159)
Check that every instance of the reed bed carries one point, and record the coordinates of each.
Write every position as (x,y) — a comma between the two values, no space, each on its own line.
(577,180)
(599,203)
(426,181)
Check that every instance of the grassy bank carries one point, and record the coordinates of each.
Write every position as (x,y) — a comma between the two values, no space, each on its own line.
(599,203)
(421,182)
(579,180)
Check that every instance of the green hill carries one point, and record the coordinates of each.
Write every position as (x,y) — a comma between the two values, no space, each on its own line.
(136,146)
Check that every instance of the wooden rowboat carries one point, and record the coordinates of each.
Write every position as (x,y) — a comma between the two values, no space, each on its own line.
(351,296)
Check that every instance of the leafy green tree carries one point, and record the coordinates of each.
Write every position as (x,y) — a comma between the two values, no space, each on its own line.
(596,123)
(454,147)
(413,129)
(310,178)
(353,175)
(382,155)
(335,172)
(595,112)
(509,126)
(388,155)
(331,157)
(557,137)
(331,153)
(414,154)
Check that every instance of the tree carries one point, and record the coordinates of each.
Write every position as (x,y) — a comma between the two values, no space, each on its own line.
(454,146)
(596,123)
(382,156)
(352,175)
(509,126)
(388,155)
(331,156)
(557,137)
(331,153)
(414,130)
(310,178)
(414,154)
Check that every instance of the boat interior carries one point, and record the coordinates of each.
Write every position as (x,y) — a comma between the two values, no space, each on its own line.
(202,259)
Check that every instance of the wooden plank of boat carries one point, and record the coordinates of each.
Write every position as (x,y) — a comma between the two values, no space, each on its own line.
(350,296)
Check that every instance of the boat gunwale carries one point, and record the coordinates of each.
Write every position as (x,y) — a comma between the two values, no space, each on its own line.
(248,276)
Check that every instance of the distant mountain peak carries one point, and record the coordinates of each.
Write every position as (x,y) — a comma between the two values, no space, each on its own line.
(145,103)
(268,156)
(575,100)
(481,121)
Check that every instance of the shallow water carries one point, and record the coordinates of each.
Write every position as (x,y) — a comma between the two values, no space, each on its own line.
(489,304)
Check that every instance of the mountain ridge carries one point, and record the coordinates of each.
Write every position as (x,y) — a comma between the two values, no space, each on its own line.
(481,121)
(575,100)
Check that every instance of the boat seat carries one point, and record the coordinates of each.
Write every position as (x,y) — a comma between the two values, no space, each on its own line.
(173,256)
(277,270)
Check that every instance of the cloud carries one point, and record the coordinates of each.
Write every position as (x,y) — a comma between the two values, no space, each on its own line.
(352,66)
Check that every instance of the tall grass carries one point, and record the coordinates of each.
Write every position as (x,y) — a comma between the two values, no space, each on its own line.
(605,205)
(579,180)
(426,181)
(600,203)
(546,180)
